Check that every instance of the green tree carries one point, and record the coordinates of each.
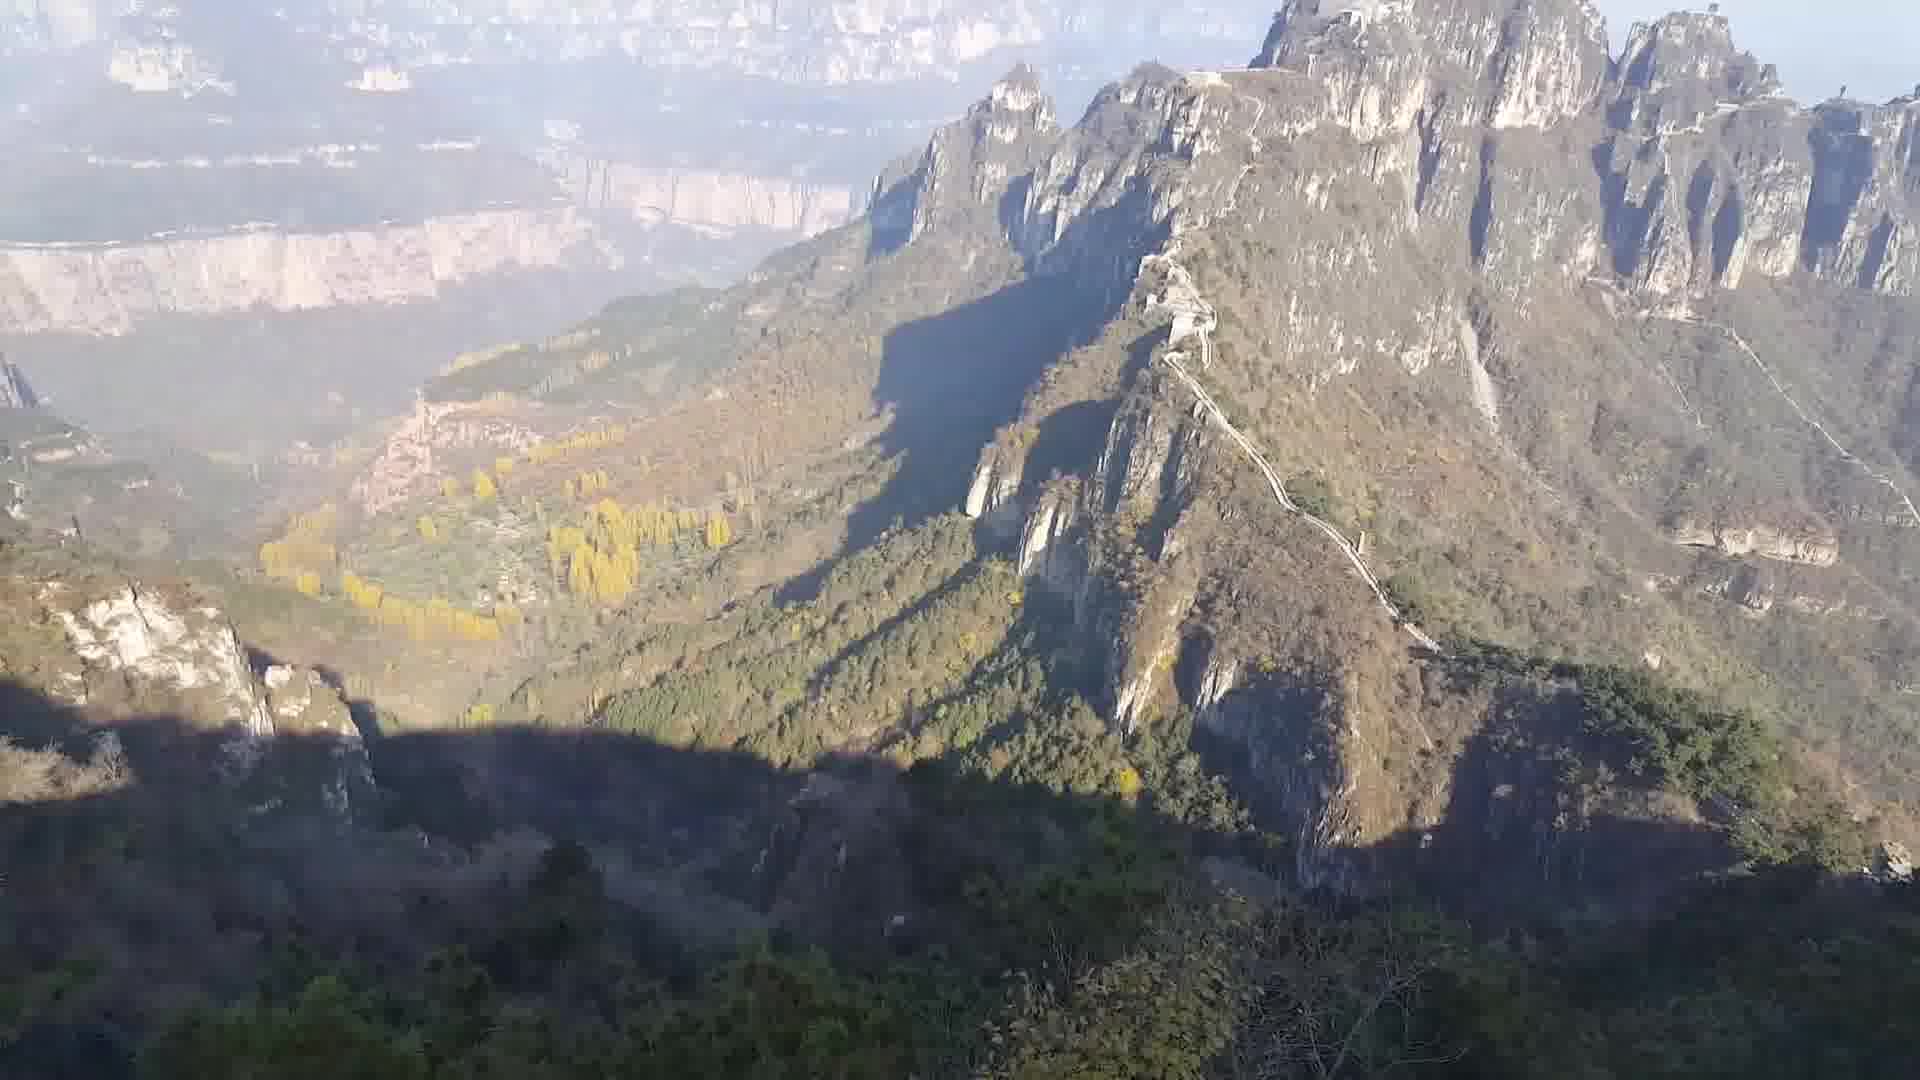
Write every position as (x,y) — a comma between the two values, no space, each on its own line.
(325,1035)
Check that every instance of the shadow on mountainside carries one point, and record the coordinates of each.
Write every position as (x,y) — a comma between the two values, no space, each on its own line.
(952,380)
(176,871)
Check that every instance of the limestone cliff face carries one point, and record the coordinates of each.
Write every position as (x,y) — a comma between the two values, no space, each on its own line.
(1863,224)
(14,391)
(142,652)
(968,166)
(108,289)
(1811,545)
(1379,66)
(706,198)
(1704,172)
(159,645)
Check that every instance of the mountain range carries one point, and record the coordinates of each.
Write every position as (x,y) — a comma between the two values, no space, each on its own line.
(1393,559)
(229,190)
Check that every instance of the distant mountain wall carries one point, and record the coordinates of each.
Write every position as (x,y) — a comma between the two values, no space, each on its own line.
(108,288)
(815,42)
(706,198)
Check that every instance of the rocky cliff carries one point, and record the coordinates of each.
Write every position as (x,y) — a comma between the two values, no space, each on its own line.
(114,649)
(705,199)
(14,391)
(108,288)
(1509,188)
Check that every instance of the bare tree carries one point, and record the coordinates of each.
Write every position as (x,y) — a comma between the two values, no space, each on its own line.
(1339,1000)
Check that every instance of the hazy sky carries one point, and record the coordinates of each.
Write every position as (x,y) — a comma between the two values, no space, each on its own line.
(1870,46)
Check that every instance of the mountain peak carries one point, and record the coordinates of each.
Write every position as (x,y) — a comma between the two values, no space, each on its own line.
(1018,94)
(1683,67)
(1020,81)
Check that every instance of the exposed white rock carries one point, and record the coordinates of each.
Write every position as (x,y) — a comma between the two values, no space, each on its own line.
(107,289)
(164,67)
(996,481)
(143,638)
(1219,678)
(1485,400)
(1894,863)
(1551,62)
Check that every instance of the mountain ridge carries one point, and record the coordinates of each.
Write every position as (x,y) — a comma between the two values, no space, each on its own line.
(1515,190)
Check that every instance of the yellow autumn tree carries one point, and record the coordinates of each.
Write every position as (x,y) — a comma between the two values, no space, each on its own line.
(483,487)
(307,582)
(429,530)
(562,542)
(612,577)
(361,593)
(503,466)
(719,530)
(450,487)
(602,576)
(580,572)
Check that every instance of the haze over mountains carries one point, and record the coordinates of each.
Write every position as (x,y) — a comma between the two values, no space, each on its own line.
(1391,554)
(189,174)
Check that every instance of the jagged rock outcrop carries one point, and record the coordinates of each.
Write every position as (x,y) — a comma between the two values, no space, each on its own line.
(1809,545)
(1863,224)
(15,393)
(300,704)
(154,644)
(996,480)
(131,651)
(967,166)
(1705,173)
(108,289)
(1380,65)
